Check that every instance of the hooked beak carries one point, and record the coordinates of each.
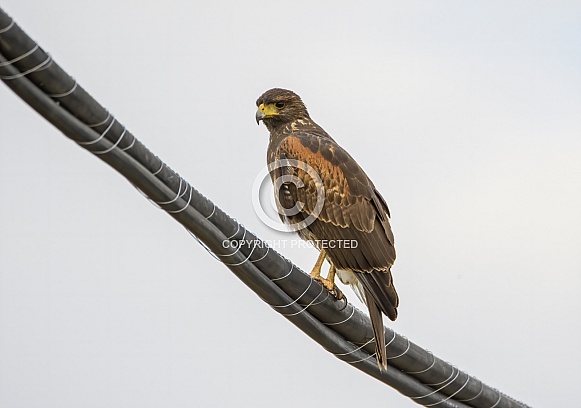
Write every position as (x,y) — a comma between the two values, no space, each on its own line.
(260,115)
(265,112)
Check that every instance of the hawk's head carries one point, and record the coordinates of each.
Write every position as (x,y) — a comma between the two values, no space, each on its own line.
(278,107)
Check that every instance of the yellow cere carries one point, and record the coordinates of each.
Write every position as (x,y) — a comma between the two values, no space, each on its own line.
(268,110)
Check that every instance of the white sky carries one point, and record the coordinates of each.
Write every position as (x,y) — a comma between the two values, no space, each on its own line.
(466,116)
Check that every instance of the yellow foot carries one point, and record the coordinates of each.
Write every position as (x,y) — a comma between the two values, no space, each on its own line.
(331,287)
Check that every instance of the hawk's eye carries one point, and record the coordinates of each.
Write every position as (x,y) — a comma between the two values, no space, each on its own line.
(279,105)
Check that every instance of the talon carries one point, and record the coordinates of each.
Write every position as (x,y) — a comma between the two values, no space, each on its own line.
(338,294)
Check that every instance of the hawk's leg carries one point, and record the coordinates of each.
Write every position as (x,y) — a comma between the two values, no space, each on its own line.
(316,272)
(328,282)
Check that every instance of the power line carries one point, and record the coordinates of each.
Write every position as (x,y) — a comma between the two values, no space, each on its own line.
(338,326)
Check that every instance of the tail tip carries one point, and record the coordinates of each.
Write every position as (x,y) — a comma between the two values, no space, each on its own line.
(382,365)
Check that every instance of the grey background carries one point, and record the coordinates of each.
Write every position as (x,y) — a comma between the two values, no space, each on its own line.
(466,115)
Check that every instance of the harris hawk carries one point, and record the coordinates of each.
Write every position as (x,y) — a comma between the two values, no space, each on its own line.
(338,203)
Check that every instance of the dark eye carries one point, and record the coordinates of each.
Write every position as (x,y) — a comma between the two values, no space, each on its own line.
(279,105)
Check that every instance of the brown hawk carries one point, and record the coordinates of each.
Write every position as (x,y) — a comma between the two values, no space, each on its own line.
(338,208)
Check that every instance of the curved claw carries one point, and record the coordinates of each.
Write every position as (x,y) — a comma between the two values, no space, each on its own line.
(338,293)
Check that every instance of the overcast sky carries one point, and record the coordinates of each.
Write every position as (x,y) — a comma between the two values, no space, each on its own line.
(467,116)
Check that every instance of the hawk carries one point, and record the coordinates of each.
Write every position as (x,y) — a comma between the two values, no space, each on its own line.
(338,204)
